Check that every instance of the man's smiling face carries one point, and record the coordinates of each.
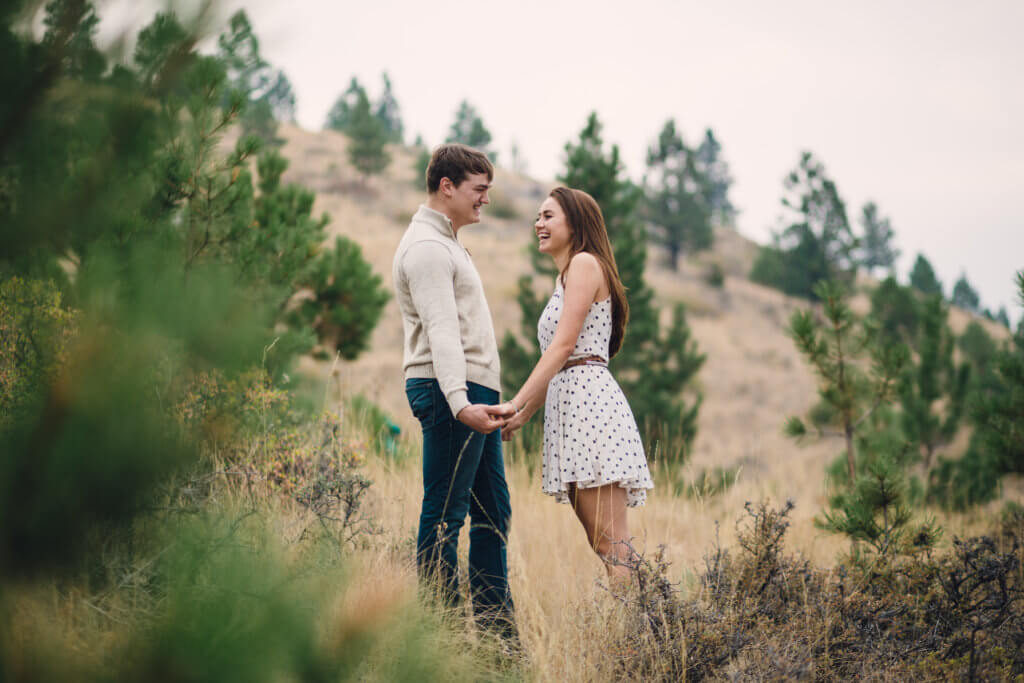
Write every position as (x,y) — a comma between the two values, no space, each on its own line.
(467,199)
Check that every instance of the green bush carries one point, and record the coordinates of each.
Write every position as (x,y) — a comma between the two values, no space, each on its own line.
(715,276)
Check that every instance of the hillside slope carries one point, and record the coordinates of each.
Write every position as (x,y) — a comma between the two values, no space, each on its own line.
(753,377)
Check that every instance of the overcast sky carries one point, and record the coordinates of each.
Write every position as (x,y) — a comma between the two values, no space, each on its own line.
(917,105)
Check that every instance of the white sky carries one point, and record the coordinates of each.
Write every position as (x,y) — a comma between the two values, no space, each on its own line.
(917,105)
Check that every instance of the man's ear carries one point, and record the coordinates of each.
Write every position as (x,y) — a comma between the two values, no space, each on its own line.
(447,187)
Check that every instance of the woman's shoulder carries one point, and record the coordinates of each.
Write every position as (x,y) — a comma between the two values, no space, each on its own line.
(584,262)
(584,271)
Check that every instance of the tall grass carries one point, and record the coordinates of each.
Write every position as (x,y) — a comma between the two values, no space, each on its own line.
(236,576)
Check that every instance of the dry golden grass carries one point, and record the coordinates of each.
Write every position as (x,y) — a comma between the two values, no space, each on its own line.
(568,622)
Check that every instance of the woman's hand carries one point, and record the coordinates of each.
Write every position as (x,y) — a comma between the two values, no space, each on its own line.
(503,410)
(513,424)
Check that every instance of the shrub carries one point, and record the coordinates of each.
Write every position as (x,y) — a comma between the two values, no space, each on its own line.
(715,276)
(35,333)
(761,614)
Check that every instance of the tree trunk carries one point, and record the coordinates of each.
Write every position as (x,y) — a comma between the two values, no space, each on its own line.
(851,456)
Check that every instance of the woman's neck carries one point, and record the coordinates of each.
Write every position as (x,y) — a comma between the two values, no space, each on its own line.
(562,260)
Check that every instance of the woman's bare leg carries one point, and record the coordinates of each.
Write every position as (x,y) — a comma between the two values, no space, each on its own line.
(602,512)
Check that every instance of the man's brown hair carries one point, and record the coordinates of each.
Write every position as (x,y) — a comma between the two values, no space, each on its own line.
(455,161)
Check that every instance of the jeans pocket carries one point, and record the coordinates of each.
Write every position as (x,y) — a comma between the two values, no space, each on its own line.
(421,400)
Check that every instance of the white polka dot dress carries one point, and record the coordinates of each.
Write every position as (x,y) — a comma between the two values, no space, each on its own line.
(590,434)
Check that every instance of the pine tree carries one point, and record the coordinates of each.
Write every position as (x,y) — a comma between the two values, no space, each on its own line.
(877,512)
(653,367)
(468,128)
(835,351)
(978,349)
(367,147)
(348,299)
(818,244)
(718,179)
(1002,317)
(387,111)
(896,310)
(266,92)
(999,415)
(93,438)
(965,296)
(71,31)
(339,118)
(876,250)
(996,411)
(922,277)
(162,51)
(933,388)
(675,196)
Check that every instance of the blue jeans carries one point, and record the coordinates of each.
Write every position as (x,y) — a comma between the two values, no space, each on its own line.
(463,471)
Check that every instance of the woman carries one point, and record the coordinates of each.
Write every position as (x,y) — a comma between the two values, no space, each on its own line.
(593,457)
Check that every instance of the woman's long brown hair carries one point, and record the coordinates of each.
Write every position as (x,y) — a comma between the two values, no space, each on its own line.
(589,234)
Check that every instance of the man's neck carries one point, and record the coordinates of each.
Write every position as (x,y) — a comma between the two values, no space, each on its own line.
(436,205)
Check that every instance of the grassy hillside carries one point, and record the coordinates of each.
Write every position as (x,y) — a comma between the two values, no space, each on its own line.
(753,377)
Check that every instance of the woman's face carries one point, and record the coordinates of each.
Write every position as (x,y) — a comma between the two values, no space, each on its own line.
(553,232)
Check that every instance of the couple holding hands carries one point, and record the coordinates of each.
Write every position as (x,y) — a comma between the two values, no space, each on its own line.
(593,458)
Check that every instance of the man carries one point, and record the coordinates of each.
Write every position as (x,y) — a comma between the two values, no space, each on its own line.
(452,381)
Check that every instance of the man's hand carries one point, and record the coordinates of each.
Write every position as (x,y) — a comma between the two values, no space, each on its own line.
(479,418)
(506,409)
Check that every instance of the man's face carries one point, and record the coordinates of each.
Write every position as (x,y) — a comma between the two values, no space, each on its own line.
(467,198)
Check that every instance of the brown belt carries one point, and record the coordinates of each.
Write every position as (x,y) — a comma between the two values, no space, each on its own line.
(585,360)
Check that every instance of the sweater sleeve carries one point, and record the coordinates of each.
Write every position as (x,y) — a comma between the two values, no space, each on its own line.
(430,273)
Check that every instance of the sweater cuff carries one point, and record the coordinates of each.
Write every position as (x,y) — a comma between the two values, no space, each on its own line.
(458,400)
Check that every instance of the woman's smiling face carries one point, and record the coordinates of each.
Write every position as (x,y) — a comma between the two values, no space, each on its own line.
(553,232)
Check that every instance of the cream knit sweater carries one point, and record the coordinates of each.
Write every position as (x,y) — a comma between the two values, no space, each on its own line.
(449,334)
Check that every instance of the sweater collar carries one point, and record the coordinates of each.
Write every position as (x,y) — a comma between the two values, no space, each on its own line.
(437,220)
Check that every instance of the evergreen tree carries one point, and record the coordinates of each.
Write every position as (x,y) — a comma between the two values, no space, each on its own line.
(965,296)
(877,512)
(979,352)
(266,92)
(1003,318)
(654,367)
(367,147)
(996,410)
(468,128)
(999,415)
(420,164)
(348,301)
(71,31)
(818,244)
(896,310)
(835,351)
(933,388)
(124,185)
(388,112)
(877,250)
(92,440)
(977,347)
(715,170)
(162,51)
(340,116)
(675,196)
(922,277)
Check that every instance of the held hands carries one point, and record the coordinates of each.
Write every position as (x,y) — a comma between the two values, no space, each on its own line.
(481,418)
(514,419)
(485,418)
(513,424)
